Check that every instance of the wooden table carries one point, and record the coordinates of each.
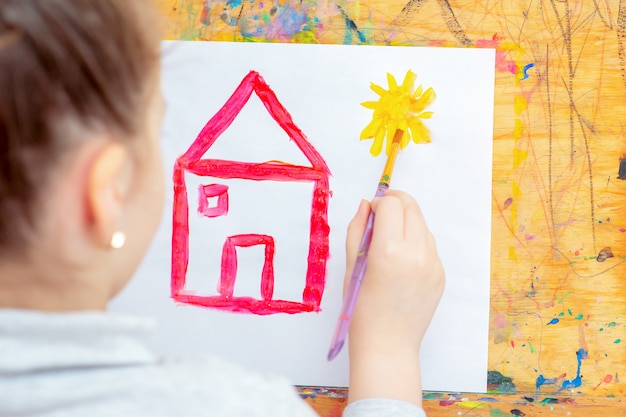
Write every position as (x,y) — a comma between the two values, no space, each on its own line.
(558,301)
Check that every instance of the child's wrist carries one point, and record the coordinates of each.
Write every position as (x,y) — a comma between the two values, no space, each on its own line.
(385,375)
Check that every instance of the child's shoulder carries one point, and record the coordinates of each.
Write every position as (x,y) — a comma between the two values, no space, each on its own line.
(101,364)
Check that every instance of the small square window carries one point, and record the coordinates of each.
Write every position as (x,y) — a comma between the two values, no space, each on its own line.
(213,200)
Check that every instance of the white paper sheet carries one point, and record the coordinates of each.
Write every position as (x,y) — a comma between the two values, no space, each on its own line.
(322,87)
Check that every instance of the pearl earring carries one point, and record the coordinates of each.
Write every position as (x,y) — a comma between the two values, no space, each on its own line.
(118,240)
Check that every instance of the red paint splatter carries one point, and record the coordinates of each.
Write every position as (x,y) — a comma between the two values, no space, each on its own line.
(204,16)
(607,379)
(512,343)
(192,162)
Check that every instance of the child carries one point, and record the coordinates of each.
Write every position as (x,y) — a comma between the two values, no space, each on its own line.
(81,191)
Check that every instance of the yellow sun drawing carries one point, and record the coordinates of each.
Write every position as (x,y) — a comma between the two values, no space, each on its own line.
(400,107)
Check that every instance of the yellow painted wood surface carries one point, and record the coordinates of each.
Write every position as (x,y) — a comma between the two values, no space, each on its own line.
(331,402)
(559,206)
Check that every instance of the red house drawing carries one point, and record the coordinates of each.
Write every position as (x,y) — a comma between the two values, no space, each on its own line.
(192,162)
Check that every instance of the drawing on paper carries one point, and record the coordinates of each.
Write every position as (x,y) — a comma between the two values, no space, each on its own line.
(401,107)
(213,203)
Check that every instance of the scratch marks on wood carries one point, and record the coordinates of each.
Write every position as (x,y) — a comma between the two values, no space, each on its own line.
(453,24)
(608,19)
(550,144)
(565,25)
(621,39)
(409,10)
(412,8)
(589,167)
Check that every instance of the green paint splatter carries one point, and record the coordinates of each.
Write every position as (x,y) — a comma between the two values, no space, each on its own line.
(601,329)
(618,341)
(561,314)
(579,317)
(305,36)
(612,324)
(564,297)
(496,412)
(532,349)
(569,311)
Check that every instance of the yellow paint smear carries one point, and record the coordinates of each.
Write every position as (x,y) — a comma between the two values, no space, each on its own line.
(519,156)
(518,130)
(470,404)
(520,104)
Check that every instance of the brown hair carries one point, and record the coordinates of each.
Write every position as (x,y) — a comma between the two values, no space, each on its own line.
(64,61)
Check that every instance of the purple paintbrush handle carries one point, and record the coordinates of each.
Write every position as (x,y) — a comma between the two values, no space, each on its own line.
(349,301)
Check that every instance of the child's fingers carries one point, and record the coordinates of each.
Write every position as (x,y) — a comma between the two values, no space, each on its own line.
(415,228)
(356,228)
(389,219)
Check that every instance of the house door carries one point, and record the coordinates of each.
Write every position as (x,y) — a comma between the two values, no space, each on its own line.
(228,273)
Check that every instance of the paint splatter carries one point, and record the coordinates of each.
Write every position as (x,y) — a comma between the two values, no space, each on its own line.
(621,172)
(577,381)
(605,254)
(607,379)
(499,383)
(541,381)
(553,321)
(525,70)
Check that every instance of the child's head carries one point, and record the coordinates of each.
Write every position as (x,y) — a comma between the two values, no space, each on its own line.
(80,111)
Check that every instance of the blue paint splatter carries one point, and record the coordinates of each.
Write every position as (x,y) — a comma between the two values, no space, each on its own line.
(233,3)
(553,321)
(578,380)
(567,384)
(541,381)
(229,20)
(488,399)
(350,28)
(526,68)
(282,24)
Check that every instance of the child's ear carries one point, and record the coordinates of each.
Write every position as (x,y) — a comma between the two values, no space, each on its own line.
(108,184)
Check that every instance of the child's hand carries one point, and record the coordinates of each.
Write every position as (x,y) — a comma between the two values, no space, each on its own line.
(402,286)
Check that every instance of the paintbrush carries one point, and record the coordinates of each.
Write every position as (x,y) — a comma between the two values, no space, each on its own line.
(349,301)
